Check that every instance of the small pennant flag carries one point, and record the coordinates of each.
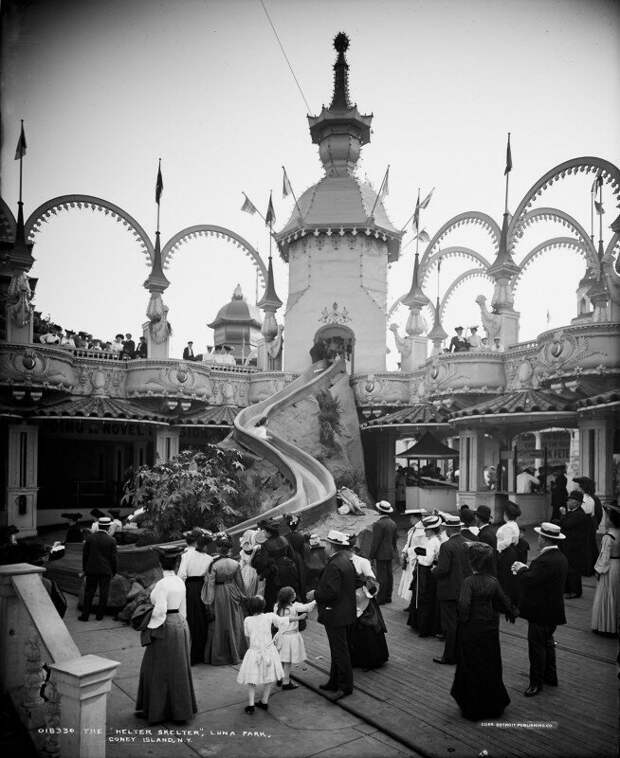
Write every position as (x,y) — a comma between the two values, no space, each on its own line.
(385,190)
(248,206)
(286,185)
(159,186)
(598,182)
(508,168)
(416,215)
(427,199)
(438,264)
(270,216)
(548,316)
(599,207)
(422,235)
(21,145)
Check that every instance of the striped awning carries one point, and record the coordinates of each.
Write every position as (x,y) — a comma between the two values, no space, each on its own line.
(104,408)
(520,401)
(221,416)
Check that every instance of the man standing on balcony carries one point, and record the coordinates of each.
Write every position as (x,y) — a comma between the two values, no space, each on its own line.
(383,551)
(99,565)
(188,352)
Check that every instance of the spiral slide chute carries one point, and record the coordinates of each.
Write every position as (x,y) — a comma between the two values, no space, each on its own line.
(313,484)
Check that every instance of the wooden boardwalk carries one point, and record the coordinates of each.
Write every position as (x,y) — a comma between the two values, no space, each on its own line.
(409,697)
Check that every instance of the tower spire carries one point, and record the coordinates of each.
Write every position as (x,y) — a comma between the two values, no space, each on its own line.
(340,99)
(415,298)
(157,281)
(270,300)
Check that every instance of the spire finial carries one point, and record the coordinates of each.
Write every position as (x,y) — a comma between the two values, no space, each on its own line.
(340,100)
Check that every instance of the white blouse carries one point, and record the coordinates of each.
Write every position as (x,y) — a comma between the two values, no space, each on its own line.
(194,563)
(362,566)
(168,594)
(432,545)
(507,534)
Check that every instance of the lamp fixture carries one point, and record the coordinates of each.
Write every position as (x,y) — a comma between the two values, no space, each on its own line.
(186,405)
(172,404)
(36,395)
(19,394)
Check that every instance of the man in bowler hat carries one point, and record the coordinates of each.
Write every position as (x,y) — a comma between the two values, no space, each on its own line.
(99,565)
(542,604)
(335,598)
(383,551)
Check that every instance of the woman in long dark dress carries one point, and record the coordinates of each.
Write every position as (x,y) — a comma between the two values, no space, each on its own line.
(275,563)
(508,536)
(367,644)
(478,687)
(166,690)
(195,563)
(422,616)
(297,541)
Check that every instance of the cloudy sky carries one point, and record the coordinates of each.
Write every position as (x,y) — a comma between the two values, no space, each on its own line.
(106,88)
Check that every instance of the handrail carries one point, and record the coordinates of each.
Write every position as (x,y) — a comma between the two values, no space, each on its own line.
(312,482)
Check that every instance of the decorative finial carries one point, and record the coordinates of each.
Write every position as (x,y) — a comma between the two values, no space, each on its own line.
(341,42)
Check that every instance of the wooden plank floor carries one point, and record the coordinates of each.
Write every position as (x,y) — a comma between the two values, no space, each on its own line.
(578,718)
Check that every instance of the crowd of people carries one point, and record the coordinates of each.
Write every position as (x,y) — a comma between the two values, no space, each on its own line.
(123,346)
(220,355)
(472,341)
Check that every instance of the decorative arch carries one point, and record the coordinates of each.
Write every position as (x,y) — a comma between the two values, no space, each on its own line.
(457,251)
(474,218)
(68,202)
(569,243)
(465,276)
(583,165)
(209,230)
(7,222)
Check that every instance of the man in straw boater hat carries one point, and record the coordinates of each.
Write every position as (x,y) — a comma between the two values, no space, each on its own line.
(335,597)
(99,566)
(452,567)
(383,550)
(542,604)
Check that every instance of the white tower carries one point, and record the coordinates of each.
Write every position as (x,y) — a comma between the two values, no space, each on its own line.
(338,243)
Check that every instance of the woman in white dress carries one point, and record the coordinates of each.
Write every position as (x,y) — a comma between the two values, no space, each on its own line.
(415,538)
(289,642)
(249,574)
(607,568)
(261,665)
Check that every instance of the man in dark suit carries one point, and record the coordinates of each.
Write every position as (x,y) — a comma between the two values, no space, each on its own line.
(468,517)
(542,604)
(335,597)
(576,525)
(452,567)
(383,551)
(188,352)
(486,533)
(99,566)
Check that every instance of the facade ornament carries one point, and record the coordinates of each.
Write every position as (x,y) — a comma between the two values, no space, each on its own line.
(33,675)
(157,314)
(274,346)
(491,322)
(334,316)
(19,295)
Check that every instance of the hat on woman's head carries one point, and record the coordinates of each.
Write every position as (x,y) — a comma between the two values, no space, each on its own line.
(512,509)
(169,551)
(452,521)
(586,484)
(550,531)
(270,525)
(431,522)
(384,507)
(338,538)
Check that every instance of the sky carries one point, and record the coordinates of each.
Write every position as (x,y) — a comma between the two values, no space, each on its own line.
(107,88)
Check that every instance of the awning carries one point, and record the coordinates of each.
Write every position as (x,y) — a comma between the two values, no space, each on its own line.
(429,447)
(609,398)
(420,414)
(217,416)
(103,408)
(528,401)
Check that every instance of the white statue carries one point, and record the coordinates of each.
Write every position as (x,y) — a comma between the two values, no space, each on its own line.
(19,296)
(157,314)
(404,345)
(274,346)
(491,322)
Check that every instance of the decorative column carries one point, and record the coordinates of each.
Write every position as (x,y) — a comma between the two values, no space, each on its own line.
(503,269)
(83,685)
(437,334)
(270,303)
(22,478)
(386,467)
(596,448)
(166,444)
(413,347)
(156,330)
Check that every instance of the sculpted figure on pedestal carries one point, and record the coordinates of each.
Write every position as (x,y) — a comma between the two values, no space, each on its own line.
(157,314)
(491,322)
(19,295)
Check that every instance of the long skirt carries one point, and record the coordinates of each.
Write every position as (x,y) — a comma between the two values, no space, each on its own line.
(507,580)
(367,638)
(196,618)
(226,642)
(166,690)
(606,598)
(404,586)
(422,611)
(478,687)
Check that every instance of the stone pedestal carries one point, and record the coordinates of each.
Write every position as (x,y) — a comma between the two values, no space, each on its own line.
(509,331)
(83,685)
(18,335)
(22,478)
(155,350)
(419,352)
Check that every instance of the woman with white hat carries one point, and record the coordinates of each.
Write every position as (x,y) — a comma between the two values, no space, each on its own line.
(422,610)
(415,538)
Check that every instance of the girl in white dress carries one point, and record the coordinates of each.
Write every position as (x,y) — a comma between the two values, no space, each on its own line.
(289,642)
(415,538)
(261,664)
(249,574)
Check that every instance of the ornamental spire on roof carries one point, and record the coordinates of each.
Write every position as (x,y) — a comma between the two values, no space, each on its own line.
(415,298)
(437,334)
(156,281)
(269,301)
(340,100)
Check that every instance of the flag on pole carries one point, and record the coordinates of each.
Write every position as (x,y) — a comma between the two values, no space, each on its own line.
(159,186)
(508,168)
(548,316)
(438,265)
(599,207)
(422,235)
(598,182)
(286,185)
(270,216)
(385,190)
(427,199)
(416,215)
(21,145)
(248,206)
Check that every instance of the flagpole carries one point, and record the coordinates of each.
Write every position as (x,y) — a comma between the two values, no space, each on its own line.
(600,215)
(290,186)
(159,198)
(21,163)
(417,237)
(592,196)
(387,170)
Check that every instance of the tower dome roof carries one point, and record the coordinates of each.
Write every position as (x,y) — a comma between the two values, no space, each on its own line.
(237,312)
